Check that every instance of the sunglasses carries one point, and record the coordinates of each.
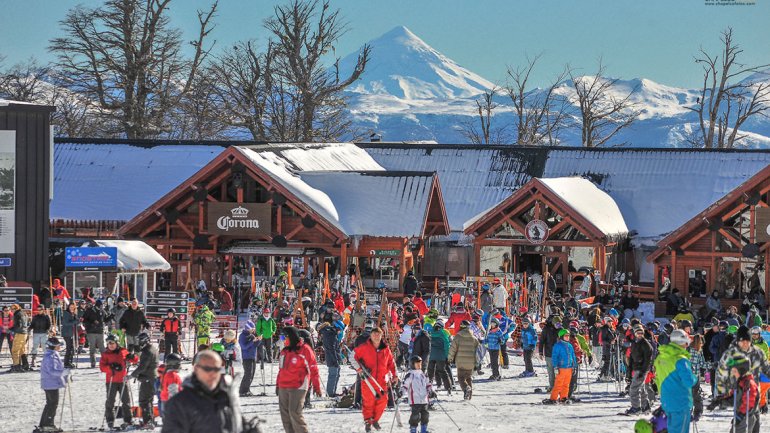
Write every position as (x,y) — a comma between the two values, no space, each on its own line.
(208,369)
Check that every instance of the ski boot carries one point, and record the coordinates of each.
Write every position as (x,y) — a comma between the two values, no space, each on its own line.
(548,401)
(32,361)
(376,425)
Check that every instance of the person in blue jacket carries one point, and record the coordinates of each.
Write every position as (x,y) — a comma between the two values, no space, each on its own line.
(53,377)
(494,343)
(528,344)
(564,361)
(674,378)
(249,343)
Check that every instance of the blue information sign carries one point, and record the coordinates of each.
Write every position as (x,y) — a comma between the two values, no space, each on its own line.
(5,262)
(91,259)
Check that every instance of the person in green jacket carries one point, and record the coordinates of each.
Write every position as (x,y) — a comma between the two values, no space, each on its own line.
(462,353)
(203,320)
(266,327)
(439,353)
(674,378)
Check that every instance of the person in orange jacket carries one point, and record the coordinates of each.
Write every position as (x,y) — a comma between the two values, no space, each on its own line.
(374,363)
(419,303)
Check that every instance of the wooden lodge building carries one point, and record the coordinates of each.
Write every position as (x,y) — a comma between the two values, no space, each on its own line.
(445,210)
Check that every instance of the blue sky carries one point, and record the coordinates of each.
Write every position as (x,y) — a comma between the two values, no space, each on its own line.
(654,39)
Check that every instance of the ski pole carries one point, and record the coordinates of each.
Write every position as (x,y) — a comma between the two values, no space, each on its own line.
(69,394)
(397,414)
(104,417)
(447,414)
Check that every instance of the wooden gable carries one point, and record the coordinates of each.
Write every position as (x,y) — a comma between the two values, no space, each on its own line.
(436,223)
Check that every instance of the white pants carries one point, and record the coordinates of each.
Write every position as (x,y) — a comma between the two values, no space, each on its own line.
(38,339)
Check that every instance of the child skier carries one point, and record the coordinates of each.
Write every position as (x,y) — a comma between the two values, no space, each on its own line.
(170,382)
(230,353)
(53,377)
(418,390)
(746,395)
(113,364)
(564,360)
(528,343)
(494,342)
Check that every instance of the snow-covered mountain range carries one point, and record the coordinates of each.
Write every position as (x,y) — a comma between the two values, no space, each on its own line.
(411,92)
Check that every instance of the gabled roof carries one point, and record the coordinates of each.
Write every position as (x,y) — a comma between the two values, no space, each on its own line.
(377,203)
(596,210)
(725,203)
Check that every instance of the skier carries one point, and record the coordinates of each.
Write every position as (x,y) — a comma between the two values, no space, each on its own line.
(113,363)
(639,365)
(93,320)
(462,353)
(418,389)
(329,334)
(145,373)
(487,302)
(439,352)
(404,339)
(68,330)
(746,396)
(456,318)
(493,342)
(40,325)
(674,379)
(250,344)
(170,328)
(419,303)
(763,379)
(607,337)
(132,323)
(499,295)
(548,338)
(374,364)
(230,352)
(19,349)
(203,320)
(564,361)
(410,284)
(265,327)
(741,346)
(420,344)
(6,323)
(528,345)
(53,377)
(170,382)
(297,372)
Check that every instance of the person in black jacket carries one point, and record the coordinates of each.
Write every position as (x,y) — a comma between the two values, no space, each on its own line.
(607,336)
(93,321)
(331,344)
(639,364)
(19,348)
(549,337)
(207,403)
(145,373)
(410,285)
(420,345)
(132,323)
(40,327)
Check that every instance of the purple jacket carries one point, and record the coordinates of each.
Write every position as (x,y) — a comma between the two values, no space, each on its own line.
(52,371)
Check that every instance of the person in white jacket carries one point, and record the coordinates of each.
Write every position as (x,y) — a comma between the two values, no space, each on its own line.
(499,295)
(418,389)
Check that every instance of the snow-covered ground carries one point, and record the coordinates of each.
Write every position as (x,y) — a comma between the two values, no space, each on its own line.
(506,406)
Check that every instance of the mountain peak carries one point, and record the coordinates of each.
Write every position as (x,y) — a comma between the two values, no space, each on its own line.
(405,66)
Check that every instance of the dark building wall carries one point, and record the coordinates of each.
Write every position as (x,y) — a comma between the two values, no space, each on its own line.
(33,156)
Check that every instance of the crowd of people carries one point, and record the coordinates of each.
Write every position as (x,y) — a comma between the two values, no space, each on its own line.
(408,351)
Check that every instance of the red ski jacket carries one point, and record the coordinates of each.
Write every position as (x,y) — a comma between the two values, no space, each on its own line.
(453,324)
(170,325)
(118,357)
(298,369)
(420,305)
(170,385)
(379,361)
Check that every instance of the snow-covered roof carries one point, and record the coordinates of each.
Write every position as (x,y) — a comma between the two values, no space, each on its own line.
(118,181)
(136,256)
(595,205)
(384,204)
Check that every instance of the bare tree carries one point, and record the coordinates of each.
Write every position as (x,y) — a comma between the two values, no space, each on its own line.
(603,113)
(309,103)
(481,130)
(24,82)
(199,115)
(541,114)
(726,102)
(126,56)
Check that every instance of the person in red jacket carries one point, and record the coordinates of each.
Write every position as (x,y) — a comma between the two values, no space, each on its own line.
(114,363)
(418,302)
(297,372)
(225,301)
(170,381)
(456,318)
(374,363)
(170,328)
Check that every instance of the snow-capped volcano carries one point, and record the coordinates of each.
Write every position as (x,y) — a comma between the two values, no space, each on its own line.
(404,66)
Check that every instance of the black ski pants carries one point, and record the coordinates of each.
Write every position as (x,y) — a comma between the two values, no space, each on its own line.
(146,393)
(249,368)
(49,411)
(437,369)
(171,344)
(116,390)
(419,415)
(528,367)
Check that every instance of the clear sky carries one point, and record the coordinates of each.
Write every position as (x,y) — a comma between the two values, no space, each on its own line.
(654,39)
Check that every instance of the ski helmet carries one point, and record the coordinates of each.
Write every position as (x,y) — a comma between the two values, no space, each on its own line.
(563,332)
(415,359)
(218,347)
(740,363)
(438,325)
(112,338)
(643,426)
(680,337)
(573,330)
(756,330)
(143,339)
(173,362)
(52,343)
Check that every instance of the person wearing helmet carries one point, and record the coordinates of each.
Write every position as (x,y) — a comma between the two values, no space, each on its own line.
(486,300)
(564,362)
(456,318)
(114,363)
(170,382)
(203,320)
(462,353)
(420,345)
(763,379)
(230,352)
(528,343)
(746,394)
(170,328)
(743,346)
(145,373)
(640,363)
(674,379)
(266,327)
(53,377)
(418,389)
(493,342)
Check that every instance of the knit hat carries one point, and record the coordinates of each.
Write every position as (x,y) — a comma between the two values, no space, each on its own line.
(638,328)
(563,332)
(742,334)
(732,329)
(249,325)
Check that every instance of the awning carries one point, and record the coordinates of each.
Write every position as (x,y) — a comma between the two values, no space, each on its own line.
(136,256)
(252,248)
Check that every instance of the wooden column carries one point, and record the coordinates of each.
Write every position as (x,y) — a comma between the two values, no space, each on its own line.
(343,258)
(672,274)
(477,257)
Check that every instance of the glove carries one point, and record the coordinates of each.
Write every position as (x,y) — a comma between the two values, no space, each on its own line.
(556,371)
(432,394)
(116,367)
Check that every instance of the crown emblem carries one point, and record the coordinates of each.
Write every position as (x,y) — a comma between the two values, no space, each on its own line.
(240,212)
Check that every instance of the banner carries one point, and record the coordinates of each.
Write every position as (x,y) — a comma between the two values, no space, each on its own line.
(7,192)
(90,259)
(239,219)
(158,304)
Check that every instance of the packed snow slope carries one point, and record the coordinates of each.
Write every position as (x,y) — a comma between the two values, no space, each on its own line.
(411,92)
(506,406)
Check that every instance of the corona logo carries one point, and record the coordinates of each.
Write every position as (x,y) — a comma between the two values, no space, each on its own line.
(240,212)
